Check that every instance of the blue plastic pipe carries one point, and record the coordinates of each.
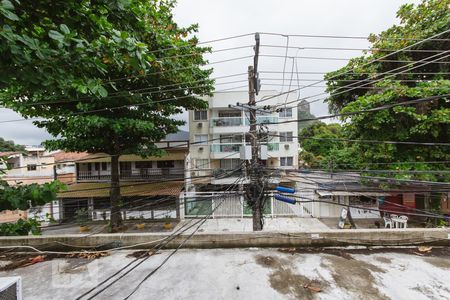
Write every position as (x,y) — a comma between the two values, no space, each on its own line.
(285,199)
(285,189)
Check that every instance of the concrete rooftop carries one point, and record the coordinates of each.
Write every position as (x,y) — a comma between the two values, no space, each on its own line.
(248,274)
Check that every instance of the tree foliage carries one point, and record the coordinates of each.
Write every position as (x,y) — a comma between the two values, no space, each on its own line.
(6,146)
(107,75)
(423,122)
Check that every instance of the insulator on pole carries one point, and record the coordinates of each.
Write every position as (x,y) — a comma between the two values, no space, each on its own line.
(285,199)
(283,189)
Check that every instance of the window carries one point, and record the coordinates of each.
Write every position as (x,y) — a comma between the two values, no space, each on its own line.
(286,136)
(201,163)
(96,166)
(229,114)
(286,161)
(201,139)
(104,166)
(165,164)
(31,167)
(286,112)
(200,115)
(89,166)
(143,165)
(229,164)
(228,138)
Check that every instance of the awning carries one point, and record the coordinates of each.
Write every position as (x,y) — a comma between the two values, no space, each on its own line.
(127,189)
(324,193)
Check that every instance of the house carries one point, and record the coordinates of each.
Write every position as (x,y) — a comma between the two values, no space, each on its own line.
(150,187)
(64,169)
(218,134)
(35,165)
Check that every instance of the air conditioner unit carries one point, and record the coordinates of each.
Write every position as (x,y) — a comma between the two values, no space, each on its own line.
(286,146)
(200,125)
(11,288)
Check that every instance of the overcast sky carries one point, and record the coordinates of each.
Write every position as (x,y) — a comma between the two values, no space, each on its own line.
(223,18)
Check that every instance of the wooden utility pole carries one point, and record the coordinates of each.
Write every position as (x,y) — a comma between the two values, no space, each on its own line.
(254,190)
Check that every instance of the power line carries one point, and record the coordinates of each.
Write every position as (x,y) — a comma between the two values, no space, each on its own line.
(382,57)
(353,37)
(367,141)
(383,107)
(352,49)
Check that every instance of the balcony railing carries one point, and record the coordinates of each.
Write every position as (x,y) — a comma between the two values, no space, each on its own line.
(136,174)
(235,147)
(226,122)
(263,120)
(226,148)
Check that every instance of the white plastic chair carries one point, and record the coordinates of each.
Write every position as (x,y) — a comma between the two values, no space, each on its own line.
(394,219)
(404,221)
(387,222)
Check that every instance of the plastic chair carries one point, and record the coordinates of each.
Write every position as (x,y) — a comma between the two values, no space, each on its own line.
(404,221)
(387,222)
(394,222)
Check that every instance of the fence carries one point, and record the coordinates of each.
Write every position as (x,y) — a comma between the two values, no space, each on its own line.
(226,205)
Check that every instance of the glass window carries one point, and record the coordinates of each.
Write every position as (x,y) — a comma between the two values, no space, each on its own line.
(97,166)
(31,167)
(286,136)
(165,164)
(201,139)
(286,161)
(143,164)
(286,112)
(201,163)
(104,166)
(229,164)
(229,114)
(200,115)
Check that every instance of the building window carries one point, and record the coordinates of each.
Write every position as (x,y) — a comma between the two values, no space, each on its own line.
(104,166)
(143,165)
(286,161)
(229,114)
(230,164)
(201,163)
(165,164)
(200,115)
(31,167)
(97,166)
(201,139)
(286,136)
(286,112)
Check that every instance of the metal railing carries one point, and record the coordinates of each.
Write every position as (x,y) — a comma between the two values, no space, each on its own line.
(226,122)
(135,174)
(235,147)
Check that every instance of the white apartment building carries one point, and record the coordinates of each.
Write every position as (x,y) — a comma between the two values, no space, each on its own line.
(217,133)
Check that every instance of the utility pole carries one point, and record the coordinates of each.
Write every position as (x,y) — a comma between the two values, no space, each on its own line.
(254,191)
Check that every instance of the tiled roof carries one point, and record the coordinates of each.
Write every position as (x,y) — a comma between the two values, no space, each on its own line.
(101,189)
(63,156)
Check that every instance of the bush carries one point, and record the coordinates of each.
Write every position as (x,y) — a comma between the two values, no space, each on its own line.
(21,227)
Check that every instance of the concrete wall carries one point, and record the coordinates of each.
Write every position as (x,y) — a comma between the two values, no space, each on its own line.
(364,237)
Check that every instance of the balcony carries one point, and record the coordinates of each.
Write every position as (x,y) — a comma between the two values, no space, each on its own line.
(263,120)
(133,175)
(226,122)
(226,148)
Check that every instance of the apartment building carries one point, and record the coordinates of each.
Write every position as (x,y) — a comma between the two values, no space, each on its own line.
(218,134)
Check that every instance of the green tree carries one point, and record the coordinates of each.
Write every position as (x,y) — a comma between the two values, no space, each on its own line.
(321,147)
(94,71)
(6,146)
(423,122)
